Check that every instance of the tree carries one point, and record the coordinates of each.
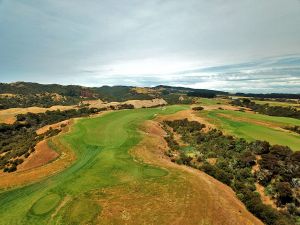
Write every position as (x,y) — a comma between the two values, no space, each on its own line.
(285,193)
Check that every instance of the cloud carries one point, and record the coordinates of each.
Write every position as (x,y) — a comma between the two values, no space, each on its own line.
(146,42)
(276,74)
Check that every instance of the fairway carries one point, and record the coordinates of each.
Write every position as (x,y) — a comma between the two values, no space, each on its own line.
(255,126)
(107,185)
(101,145)
(276,120)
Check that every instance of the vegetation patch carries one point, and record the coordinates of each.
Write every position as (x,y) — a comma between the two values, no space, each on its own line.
(233,162)
(268,109)
(282,102)
(19,139)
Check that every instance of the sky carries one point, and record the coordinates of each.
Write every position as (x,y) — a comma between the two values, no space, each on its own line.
(232,45)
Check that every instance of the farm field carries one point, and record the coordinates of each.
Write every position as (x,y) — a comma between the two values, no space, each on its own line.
(107,185)
(255,126)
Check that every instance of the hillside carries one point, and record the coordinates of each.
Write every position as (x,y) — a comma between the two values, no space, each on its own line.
(25,94)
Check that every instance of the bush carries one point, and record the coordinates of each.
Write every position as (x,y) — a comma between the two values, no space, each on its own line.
(198,108)
(278,168)
(285,193)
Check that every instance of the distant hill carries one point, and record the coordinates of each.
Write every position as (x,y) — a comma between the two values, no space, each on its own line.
(77,90)
(26,88)
(26,94)
(271,95)
(187,90)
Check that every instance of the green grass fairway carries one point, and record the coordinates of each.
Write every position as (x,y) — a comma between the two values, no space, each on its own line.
(251,131)
(280,121)
(72,196)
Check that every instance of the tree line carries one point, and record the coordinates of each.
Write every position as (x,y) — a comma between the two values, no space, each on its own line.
(271,95)
(267,109)
(41,100)
(295,129)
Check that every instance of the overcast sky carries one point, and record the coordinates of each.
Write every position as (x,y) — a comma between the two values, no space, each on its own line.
(233,45)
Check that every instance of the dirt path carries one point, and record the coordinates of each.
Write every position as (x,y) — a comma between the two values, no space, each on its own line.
(267,200)
(207,200)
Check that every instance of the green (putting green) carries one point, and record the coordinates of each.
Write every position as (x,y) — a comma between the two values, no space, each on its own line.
(102,148)
(45,204)
(251,131)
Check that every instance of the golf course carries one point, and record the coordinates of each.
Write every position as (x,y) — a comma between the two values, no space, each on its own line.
(108,185)
(255,126)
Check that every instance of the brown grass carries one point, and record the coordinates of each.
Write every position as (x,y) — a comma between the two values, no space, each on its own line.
(193,198)
(38,167)
(225,107)
(53,126)
(147,103)
(42,155)
(9,115)
(94,103)
(145,90)
(188,114)
(136,103)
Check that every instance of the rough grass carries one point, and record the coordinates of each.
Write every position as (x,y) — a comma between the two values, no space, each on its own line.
(9,115)
(101,145)
(255,126)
